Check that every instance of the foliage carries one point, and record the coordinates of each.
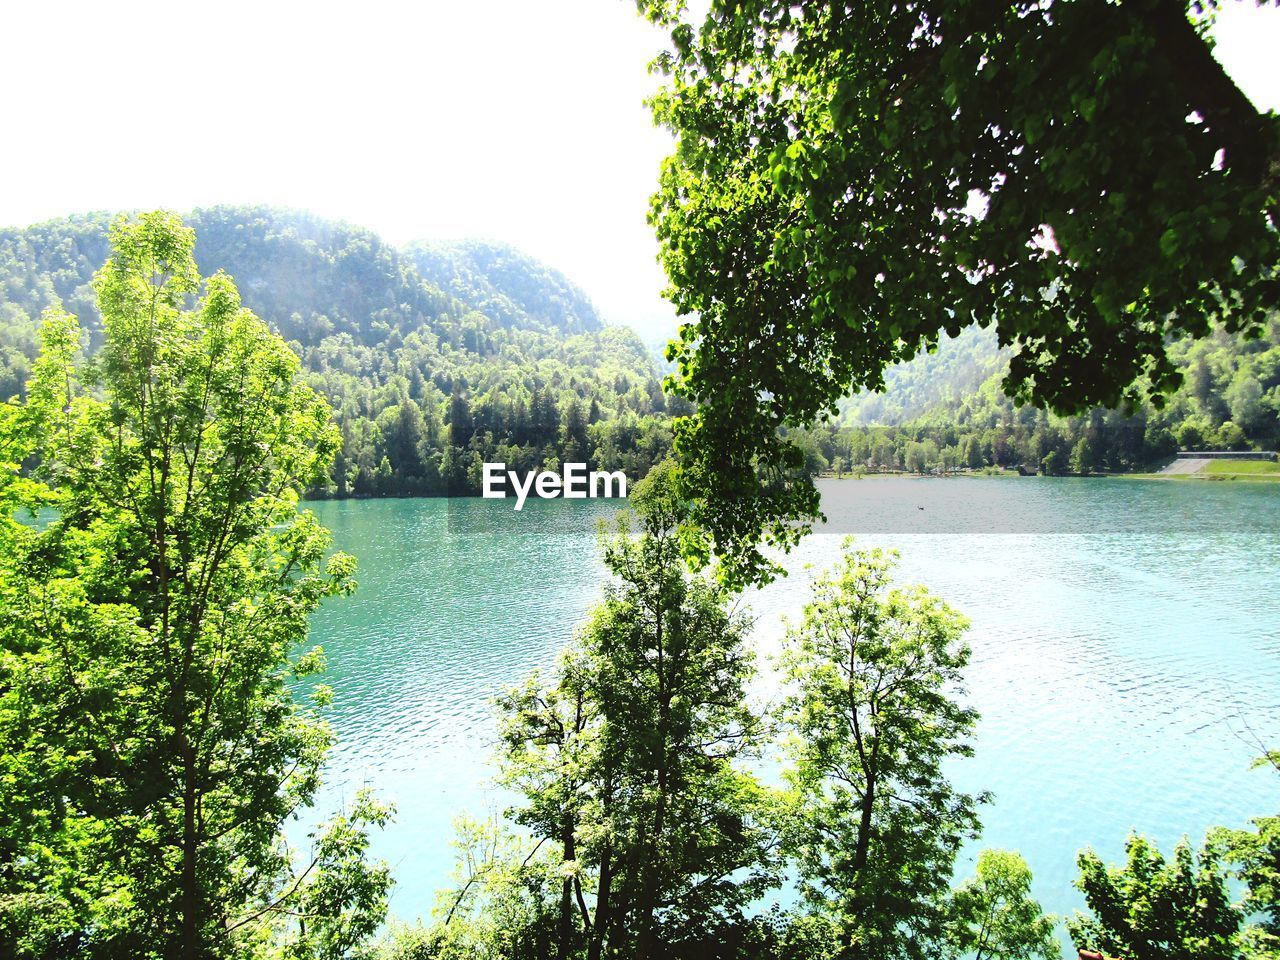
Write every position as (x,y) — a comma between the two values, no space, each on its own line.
(1153,909)
(627,764)
(875,823)
(1256,854)
(501,904)
(851,181)
(504,284)
(994,917)
(425,386)
(684,826)
(150,631)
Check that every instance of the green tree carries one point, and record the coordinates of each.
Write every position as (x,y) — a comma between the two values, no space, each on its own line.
(1231,436)
(1051,464)
(875,822)
(500,906)
(852,181)
(994,917)
(1244,398)
(550,738)
(1256,855)
(1153,909)
(574,432)
(973,458)
(1082,457)
(630,763)
(921,457)
(151,635)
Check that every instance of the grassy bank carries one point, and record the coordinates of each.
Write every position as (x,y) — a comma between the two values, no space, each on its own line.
(1249,471)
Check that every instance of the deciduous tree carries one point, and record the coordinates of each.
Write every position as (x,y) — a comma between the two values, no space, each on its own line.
(1154,909)
(851,180)
(994,916)
(876,823)
(630,763)
(150,633)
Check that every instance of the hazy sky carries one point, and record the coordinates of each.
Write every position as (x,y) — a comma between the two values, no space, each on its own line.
(517,120)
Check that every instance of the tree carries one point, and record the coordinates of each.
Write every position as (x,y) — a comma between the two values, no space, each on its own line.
(151,636)
(1256,855)
(1082,457)
(973,454)
(1051,464)
(550,735)
(629,763)
(1244,397)
(994,916)
(1231,437)
(501,905)
(573,433)
(921,457)
(1152,909)
(461,425)
(875,823)
(852,180)
(403,435)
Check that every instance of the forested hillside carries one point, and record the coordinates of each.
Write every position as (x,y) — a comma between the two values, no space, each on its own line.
(443,356)
(935,415)
(505,284)
(944,377)
(434,360)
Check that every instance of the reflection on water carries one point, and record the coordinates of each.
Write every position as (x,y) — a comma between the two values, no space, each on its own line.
(1117,656)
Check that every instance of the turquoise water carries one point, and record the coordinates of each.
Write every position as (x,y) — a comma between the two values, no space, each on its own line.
(1126,639)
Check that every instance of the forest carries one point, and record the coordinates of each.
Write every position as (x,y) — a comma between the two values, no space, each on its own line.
(947,411)
(435,359)
(444,357)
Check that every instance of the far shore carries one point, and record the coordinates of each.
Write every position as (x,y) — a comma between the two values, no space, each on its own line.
(1219,475)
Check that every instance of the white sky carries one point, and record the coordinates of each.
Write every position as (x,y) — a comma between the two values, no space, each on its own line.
(516,120)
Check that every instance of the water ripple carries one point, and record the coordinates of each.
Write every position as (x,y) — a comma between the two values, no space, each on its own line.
(1116,660)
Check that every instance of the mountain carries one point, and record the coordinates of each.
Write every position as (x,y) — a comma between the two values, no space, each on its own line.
(306,276)
(506,285)
(435,359)
(956,368)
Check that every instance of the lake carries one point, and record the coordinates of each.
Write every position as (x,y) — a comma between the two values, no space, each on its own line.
(1125,634)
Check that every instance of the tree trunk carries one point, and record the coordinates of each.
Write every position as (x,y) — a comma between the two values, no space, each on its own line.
(566,892)
(862,851)
(600,929)
(647,905)
(189,893)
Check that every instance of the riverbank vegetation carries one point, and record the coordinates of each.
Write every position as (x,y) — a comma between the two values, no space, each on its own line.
(933,418)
